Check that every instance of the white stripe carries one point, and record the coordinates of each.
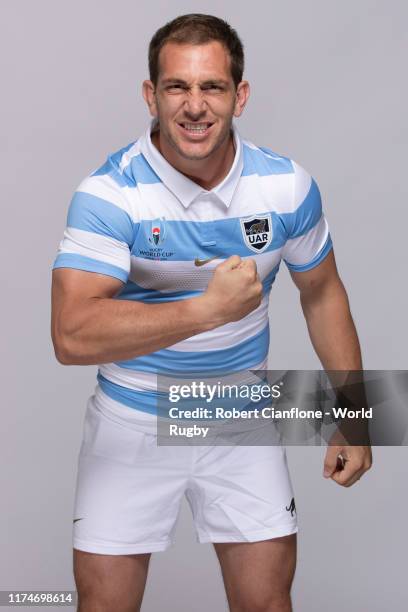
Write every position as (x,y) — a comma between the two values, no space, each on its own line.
(104,187)
(169,276)
(102,248)
(262,194)
(229,335)
(147,381)
(138,381)
(301,250)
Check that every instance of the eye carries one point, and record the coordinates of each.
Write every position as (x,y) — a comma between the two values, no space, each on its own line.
(212,86)
(175,87)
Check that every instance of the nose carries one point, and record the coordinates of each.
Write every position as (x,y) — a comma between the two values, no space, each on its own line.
(195,104)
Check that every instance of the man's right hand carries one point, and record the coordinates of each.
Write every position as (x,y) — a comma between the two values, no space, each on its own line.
(234,290)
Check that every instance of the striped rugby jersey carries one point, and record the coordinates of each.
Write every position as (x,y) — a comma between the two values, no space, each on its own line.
(138,219)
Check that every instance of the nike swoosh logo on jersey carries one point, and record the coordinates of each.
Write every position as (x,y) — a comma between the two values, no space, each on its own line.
(202,262)
(75,520)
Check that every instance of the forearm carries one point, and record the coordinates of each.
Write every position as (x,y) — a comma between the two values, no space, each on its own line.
(335,340)
(331,327)
(102,330)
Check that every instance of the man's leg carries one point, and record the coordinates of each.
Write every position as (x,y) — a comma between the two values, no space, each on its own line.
(258,575)
(110,582)
(126,505)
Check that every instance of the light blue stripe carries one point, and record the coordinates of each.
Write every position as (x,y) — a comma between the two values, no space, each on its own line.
(139,400)
(186,239)
(113,161)
(158,403)
(80,262)
(137,171)
(306,216)
(316,260)
(111,167)
(92,214)
(242,356)
(256,161)
(269,279)
(141,170)
(132,291)
(109,170)
(116,157)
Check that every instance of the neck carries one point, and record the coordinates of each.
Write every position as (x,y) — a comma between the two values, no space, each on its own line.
(207,173)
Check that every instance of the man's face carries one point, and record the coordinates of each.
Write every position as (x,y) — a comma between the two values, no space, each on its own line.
(195,98)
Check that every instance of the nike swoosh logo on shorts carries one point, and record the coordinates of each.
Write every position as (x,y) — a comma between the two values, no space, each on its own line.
(75,520)
(202,262)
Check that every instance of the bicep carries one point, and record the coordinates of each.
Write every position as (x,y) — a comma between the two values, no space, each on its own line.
(78,284)
(321,276)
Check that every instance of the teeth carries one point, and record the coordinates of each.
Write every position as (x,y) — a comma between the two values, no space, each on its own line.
(195,127)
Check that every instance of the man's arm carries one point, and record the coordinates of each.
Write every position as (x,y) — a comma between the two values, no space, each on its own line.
(326,308)
(333,334)
(89,326)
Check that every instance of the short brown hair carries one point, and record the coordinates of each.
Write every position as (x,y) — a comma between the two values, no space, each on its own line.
(197,29)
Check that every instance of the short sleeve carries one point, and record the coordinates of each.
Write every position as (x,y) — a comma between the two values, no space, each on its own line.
(99,230)
(308,238)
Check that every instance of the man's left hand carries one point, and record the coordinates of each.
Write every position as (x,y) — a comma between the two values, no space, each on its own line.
(347,469)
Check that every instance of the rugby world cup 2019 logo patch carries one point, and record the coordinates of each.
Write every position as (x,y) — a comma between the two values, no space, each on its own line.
(157,231)
(257,232)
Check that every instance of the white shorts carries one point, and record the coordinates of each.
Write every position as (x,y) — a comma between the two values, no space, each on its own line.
(129,489)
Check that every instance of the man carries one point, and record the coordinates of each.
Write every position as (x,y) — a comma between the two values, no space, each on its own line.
(166,265)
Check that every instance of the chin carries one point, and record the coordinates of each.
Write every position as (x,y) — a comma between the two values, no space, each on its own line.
(196,152)
(195,155)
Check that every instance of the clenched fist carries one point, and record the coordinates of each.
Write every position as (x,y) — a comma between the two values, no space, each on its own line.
(234,290)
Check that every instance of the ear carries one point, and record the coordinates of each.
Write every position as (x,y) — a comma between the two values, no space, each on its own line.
(149,95)
(242,95)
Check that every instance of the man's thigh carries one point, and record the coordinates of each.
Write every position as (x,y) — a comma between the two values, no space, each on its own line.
(128,489)
(258,575)
(110,582)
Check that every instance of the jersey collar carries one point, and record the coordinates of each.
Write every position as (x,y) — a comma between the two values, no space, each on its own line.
(181,186)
